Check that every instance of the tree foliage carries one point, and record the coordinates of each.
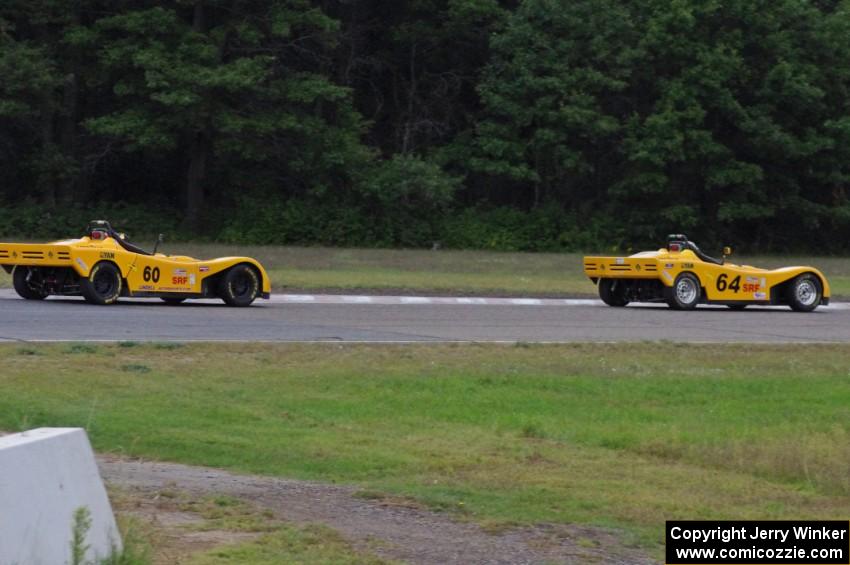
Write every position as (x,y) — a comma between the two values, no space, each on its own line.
(532,124)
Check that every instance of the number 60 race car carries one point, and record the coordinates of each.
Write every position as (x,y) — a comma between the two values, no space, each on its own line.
(683,276)
(103,266)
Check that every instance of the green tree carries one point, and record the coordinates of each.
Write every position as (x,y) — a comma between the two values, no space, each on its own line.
(218,81)
(39,97)
(707,116)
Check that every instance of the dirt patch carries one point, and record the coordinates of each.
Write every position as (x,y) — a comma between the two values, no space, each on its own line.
(390,530)
(176,534)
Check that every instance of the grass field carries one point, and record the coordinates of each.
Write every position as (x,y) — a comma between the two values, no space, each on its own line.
(625,436)
(452,272)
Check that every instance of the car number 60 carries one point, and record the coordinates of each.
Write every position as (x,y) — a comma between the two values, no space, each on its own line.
(151,274)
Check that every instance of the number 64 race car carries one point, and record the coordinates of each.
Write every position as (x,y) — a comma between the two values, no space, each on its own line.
(683,276)
(103,266)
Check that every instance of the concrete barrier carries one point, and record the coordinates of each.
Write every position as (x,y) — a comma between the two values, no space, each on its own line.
(46,474)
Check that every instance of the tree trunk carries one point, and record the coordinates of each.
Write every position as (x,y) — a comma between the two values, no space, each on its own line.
(68,136)
(195,180)
(197,152)
(46,178)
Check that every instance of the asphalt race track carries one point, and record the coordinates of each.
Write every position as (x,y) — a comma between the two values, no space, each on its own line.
(409,319)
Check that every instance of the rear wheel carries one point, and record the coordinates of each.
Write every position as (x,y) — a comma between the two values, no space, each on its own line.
(103,285)
(612,292)
(22,279)
(805,293)
(685,293)
(240,285)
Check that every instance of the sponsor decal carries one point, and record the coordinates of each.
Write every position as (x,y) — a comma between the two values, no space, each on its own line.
(668,265)
(82,264)
(750,287)
(760,296)
(107,255)
(179,272)
(192,280)
(637,267)
(763,282)
(753,280)
(180,280)
(620,261)
(687,265)
(203,268)
(146,287)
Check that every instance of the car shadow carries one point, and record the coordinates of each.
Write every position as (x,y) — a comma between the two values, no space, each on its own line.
(147,303)
(715,308)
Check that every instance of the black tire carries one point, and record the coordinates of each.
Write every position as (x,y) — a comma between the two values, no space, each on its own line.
(239,286)
(737,306)
(103,285)
(172,301)
(805,293)
(20,280)
(685,293)
(611,292)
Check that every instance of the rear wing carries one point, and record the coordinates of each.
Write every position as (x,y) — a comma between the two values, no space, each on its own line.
(621,267)
(34,255)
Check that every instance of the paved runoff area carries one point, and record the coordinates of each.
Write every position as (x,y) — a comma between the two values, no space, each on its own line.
(403,319)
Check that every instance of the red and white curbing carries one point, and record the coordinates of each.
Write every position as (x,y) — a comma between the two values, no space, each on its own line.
(428,300)
(456,301)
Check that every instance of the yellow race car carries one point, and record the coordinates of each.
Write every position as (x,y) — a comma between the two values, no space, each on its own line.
(103,265)
(683,276)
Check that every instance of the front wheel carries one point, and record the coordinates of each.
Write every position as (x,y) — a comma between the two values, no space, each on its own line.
(239,286)
(685,293)
(805,293)
(612,292)
(25,286)
(103,285)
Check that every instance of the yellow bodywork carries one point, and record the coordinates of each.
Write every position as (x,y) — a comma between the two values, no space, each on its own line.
(144,275)
(725,284)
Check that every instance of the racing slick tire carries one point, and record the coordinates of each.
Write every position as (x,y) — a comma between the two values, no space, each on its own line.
(172,301)
(805,292)
(20,280)
(685,293)
(611,292)
(239,286)
(103,285)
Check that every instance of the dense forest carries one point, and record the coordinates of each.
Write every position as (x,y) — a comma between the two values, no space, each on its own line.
(503,124)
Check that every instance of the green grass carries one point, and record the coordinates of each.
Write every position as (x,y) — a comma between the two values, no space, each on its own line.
(451,272)
(414,270)
(614,435)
